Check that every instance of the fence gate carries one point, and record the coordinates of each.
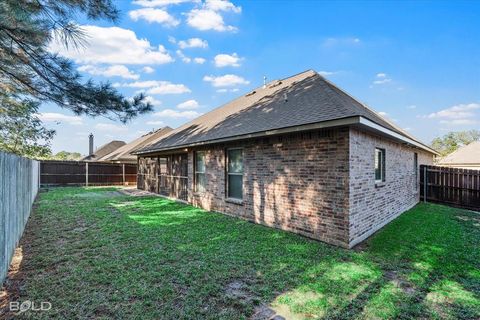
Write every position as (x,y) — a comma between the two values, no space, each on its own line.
(452,186)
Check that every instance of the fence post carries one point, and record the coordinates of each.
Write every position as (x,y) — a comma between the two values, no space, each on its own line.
(39,174)
(424,184)
(123,173)
(86,174)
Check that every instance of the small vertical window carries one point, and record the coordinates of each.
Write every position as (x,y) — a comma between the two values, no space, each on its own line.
(415,168)
(379,165)
(235,173)
(200,180)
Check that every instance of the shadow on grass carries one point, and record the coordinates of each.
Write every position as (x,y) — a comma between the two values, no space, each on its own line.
(154,258)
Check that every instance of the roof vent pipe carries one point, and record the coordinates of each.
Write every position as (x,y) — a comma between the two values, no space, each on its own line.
(285,97)
(264,82)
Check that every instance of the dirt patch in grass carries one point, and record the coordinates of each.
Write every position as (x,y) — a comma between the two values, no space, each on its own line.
(406,286)
(12,288)
(137,192)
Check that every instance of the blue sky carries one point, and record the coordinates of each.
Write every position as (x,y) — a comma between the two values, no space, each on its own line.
(418,63)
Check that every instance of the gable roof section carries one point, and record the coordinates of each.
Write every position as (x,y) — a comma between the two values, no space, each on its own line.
(124,153)
(469,154)
(104,150)
(303,99)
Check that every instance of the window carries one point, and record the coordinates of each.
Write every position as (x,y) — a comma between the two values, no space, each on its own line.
(235,173)
(415,168)
(379,165)
(200,180)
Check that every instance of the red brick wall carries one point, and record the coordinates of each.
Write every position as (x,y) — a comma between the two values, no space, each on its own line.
(372,206)
(297,182)
(319,184)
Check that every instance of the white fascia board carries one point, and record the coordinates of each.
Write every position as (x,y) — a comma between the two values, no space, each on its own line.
(393,134)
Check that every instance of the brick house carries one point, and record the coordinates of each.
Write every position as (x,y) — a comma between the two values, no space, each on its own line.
(298,154)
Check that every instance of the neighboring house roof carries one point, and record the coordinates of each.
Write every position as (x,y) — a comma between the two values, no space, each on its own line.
(466,155)
(123,154)
(104,150)
(296,102)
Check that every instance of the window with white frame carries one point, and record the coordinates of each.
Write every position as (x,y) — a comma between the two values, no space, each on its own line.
(379,165)
(200,180)
(235,173)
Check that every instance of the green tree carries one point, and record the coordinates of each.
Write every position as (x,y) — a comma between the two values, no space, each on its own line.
(454,140)
(21,131)
(65,155)
(28,68)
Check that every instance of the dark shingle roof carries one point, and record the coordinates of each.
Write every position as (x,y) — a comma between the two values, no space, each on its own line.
(302,99)
(124,153)
(104,150)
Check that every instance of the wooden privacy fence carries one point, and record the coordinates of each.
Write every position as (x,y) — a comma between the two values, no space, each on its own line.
(85,173)
(19,185)
(453,186)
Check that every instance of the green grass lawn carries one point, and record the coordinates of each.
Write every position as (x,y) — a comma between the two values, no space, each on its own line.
(95,253)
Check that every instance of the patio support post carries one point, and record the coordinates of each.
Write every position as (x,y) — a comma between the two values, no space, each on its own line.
(86,174)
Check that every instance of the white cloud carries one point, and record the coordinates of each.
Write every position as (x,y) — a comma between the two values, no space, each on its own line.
(412,106)
(459,122)
(113,45)
(408,129)
(111,71)
(170,113)
(153,101)
(209,18)
(327,73)
(222,5)
(383,81)
(199,60)
(155,123)
(156,87)
(183,57)
(457,112)
(166,87)
(108,127)
(193,43)
(381,78)
(332,42)
(172,39)
(188,105)
(224,60)
(137,84)
(227,90)
(160,3)
(154,15)
(60,117)
(228,80)
(383,114)
(148,69)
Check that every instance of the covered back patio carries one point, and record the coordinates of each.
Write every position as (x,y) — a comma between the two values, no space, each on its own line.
(165,174)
